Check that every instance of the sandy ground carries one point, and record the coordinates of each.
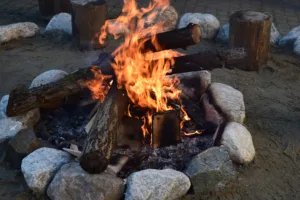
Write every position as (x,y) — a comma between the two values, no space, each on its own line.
(272,98)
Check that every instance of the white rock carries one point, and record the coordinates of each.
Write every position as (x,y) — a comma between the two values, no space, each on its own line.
(8,129)
(239,142)
(40,166)
(287,42)
(3,105)
(154,184)
(71,182)
(297,47)
(208,23)
(48,77)
(28,119)
(275,35)
(17,30)
(229,100)
(60,23)
(223,34)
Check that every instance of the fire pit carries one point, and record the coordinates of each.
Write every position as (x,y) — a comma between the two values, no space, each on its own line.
(141,107)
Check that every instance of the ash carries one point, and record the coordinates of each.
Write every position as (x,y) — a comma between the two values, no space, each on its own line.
(174,157)
(63,127)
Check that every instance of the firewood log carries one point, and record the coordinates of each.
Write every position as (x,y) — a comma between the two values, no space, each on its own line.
(102,137)
(21,101)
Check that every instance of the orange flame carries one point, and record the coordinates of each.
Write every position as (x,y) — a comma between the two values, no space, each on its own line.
(142,75)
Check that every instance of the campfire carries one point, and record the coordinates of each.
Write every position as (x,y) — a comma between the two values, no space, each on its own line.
(138,84)
(143,106)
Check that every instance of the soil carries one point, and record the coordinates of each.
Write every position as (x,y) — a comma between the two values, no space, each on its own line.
(272,98)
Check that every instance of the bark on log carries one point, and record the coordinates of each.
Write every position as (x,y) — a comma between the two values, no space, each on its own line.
(102,137)
(178,38)
(87,20)
(209,60)
(21,101)
(251,30)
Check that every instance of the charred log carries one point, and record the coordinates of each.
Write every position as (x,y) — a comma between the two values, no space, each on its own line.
(102,137)
(178,38)
(209,60)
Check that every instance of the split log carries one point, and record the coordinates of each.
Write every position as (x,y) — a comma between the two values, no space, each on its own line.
(209,60)
(21,101)
(178,38)
(87,19)
(102,137)
(251,30)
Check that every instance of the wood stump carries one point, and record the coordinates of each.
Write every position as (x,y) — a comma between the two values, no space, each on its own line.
(251,30)
(48,8)
(87,19)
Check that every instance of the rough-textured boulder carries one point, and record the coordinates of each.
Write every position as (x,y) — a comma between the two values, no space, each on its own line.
(48,77)
(223,34)
(239,142)
(275,35)
(3,105)
(8,129)
(73,183)
(154,184)
(17,30)
(297,47)
(229,100)
(210,168)
(22,144)
(40,166)
(208,23)
(287,42)
(60,23)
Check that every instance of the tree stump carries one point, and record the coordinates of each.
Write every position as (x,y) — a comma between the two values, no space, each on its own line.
(88,16)
(251,30)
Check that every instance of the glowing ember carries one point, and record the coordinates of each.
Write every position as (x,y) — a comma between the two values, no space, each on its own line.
(143,76)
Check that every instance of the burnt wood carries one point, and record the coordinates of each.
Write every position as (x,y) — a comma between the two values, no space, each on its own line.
(177,38)
(21,101)
(251,30)
(209,60)
(102,137)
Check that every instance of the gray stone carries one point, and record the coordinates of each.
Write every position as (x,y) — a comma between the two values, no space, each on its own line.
(154,184)
(210,168)
(17,30)
(208,23)
(275,35)
(8,129)
(28,119)
(297,47)
(287,42)
(229,100)
(73,183)
(223,34)
(60,23)
(22,144)
(193,84)
(48,77)
(40,166)
(3,105)
(167,17)
(239,142)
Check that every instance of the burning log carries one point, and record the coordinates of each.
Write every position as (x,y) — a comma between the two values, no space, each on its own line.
(21,101)
(209,60)
(178,38)
(102,137)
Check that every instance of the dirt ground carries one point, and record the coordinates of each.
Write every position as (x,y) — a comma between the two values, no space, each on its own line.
(272,98)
